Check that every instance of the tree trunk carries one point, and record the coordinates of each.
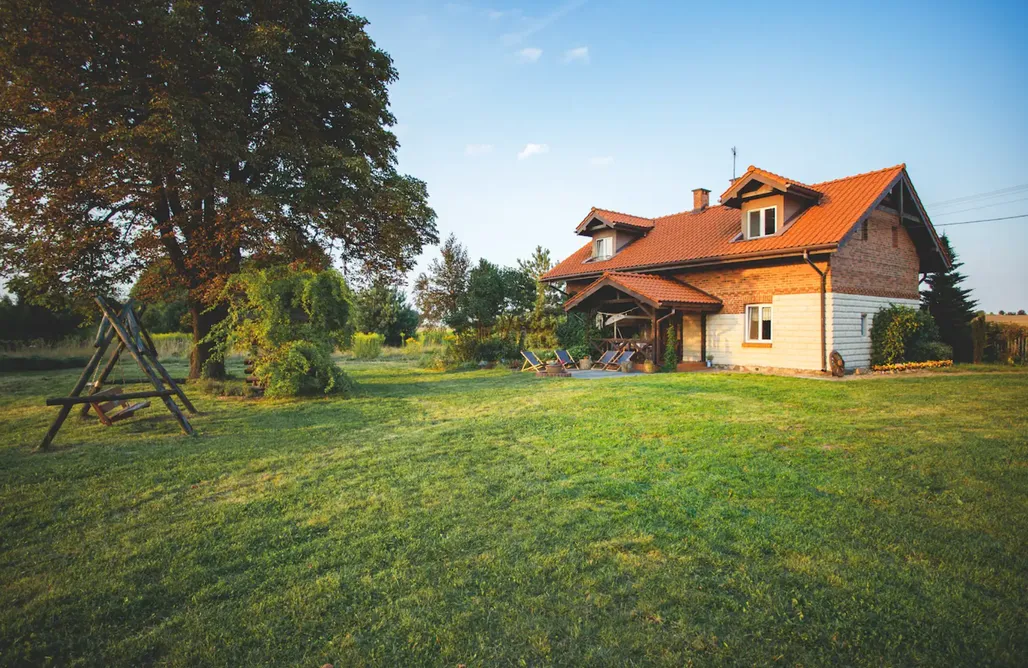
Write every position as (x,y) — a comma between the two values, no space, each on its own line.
(200,363)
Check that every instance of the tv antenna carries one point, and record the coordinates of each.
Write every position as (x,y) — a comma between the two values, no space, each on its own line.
(733,163)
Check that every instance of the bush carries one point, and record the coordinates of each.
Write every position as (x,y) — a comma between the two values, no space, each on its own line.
(301,368)
(40,363)
(367,346)
(902,334)
(671,350)
(579,351)
(931,351)
(433,336)
(468,348)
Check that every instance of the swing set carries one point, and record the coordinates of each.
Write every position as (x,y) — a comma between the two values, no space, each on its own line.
(113,405)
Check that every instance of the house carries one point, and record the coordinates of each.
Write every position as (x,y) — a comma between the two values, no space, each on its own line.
(778,275)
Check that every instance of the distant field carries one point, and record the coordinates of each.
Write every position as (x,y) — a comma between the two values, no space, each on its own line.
(492,519)
(1016,319)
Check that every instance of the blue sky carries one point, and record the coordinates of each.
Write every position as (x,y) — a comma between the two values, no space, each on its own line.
(522,115)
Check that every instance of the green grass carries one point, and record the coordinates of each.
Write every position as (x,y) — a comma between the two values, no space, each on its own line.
(490,518)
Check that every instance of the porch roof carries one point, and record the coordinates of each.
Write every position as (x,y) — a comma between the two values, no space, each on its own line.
(655,291)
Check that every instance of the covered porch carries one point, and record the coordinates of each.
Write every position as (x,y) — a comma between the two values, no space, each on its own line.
(638,310)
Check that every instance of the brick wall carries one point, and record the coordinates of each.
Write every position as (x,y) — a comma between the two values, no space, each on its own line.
(738,286)
(874,267)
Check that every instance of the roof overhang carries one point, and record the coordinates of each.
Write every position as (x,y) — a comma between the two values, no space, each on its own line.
(755,178)
(596,219)
(704,301)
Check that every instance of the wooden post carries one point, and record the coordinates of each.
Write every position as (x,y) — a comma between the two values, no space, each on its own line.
(703,336)
(102,378)
(173,385)
(83,379)
(656,337)
(144,367)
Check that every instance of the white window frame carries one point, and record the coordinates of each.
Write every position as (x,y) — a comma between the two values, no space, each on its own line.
(746,223)
(760,333)
(863,325)
(598,245)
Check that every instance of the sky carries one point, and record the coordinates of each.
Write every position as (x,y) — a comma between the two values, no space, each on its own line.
(521,116)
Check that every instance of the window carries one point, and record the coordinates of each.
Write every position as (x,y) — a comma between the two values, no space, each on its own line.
(603,248)
(863,231)
(863,324)
(761,222)
(758,323)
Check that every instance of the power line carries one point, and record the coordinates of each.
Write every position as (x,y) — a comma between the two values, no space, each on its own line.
(982,220)
(986,195)
(983,206)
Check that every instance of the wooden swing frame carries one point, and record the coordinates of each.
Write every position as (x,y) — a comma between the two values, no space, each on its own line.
(134,339)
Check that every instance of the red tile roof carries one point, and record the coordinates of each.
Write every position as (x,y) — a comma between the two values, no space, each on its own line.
(657,290)
(616,218)
(712,234)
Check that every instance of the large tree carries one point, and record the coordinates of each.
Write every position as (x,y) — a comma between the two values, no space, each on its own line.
(198,133)
(951,306)
(438,292)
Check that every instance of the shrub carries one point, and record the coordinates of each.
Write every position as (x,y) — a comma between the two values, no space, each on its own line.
(579,351)
(432,336)
(301,368)
(367,346)
(470,349)
(40,363)
(671,350)
(902,334)
(173,344)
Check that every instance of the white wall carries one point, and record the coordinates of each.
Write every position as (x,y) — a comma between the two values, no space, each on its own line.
(796,330)
(844,313)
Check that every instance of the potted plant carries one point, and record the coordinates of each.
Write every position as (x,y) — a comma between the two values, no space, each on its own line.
(554,368)
(649,367)
(710,361)
(585,363)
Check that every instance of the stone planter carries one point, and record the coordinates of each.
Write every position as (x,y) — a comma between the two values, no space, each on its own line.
(554,369)
(649,367)
(585,363)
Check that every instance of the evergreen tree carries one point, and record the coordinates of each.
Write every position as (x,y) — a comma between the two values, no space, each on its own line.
(383,309)
(951,306)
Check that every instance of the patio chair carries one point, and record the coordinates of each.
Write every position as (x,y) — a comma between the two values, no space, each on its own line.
(605,359)
(565,358)
(531,361)
(625,356)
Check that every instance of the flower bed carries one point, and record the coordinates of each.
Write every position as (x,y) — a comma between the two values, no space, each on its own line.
(910,366)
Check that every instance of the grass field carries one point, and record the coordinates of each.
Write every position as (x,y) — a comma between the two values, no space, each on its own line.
(488,519)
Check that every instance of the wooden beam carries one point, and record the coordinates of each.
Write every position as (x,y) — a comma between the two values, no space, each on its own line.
(81,383)
(101,397)
(143,366)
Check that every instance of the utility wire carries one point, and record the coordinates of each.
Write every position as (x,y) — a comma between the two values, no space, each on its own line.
(986,195)
(983,206)
(982,220)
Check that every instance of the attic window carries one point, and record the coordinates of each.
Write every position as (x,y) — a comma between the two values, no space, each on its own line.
(603,248)
(761,222)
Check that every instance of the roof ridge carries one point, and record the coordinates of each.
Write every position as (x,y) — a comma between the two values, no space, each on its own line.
(620,213)
(901,165)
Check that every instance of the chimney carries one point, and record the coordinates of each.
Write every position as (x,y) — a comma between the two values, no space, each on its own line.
(700,199)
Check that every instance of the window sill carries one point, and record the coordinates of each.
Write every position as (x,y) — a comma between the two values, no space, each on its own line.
(755,344)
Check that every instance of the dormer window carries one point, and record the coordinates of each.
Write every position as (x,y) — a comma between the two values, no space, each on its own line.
(761,222)
(603,248)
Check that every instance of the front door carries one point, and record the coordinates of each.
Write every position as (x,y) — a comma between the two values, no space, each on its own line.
(692,338)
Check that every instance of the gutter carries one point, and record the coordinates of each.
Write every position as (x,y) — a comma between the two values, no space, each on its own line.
(703,262)
(824,279)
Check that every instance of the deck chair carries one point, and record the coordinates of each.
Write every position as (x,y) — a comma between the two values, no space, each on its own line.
(605,359)
(565,358)
(531,361)
(115,408)
(625,356)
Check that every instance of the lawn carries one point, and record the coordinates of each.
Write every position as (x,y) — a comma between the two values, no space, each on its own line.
(488,518)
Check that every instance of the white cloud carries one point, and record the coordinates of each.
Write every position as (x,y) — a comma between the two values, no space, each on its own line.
(602,161)
(580,54)
(536,25)
(475,150)
(533,149)
(529,55)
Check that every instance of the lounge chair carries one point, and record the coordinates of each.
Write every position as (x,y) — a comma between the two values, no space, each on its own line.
(625,356)
(531,361)
(565,358)
(606,360)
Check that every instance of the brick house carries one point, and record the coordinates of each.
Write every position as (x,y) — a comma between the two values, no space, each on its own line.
(777,275)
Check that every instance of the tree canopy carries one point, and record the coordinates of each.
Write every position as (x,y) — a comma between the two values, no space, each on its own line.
(196,133)
(383,309)
(437,292)
(951,306)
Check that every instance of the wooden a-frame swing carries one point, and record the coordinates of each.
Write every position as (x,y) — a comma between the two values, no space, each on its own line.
(113,405)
